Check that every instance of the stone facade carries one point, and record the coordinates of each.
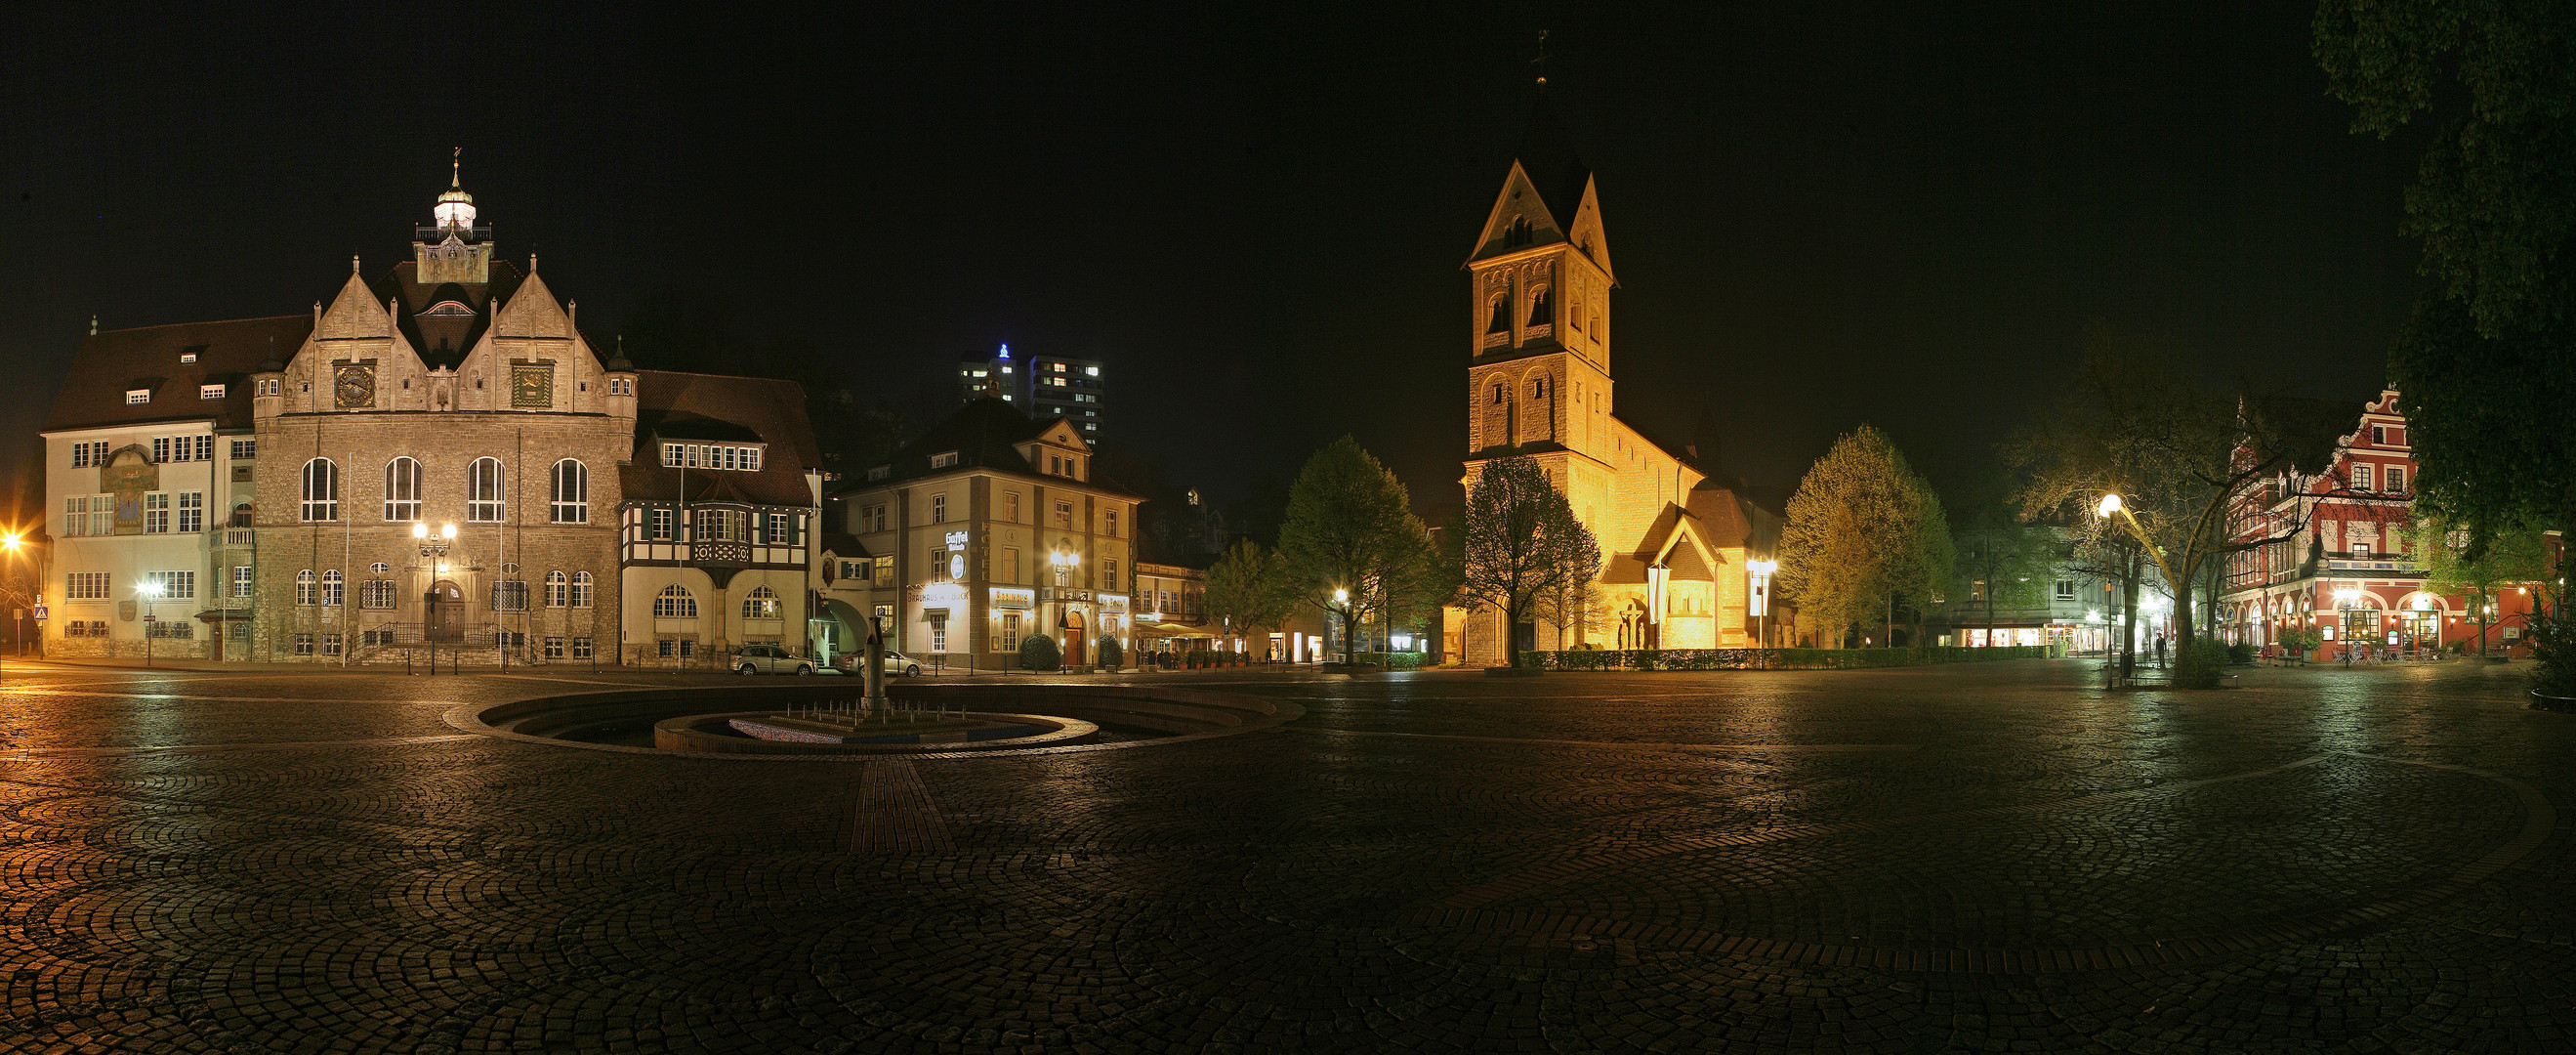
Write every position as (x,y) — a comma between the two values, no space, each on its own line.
(436,459)
(1011,504)
(1673,541)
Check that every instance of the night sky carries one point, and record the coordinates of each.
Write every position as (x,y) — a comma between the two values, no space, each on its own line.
(1822,214)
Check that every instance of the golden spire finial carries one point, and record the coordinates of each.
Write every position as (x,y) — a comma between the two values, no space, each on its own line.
(456,163)
(1541,60)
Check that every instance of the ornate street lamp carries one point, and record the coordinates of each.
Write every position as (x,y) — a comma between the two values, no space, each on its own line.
(150,591)
(1761,599)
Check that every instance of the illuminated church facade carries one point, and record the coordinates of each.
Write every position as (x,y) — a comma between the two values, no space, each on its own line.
(1674,542)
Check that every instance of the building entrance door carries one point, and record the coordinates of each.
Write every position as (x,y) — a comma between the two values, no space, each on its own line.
(1073,653)
(2419,628)
(444,612)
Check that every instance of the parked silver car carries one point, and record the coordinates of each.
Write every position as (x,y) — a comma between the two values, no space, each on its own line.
(896,664)
(770,659)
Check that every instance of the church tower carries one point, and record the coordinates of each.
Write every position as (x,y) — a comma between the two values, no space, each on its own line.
(1538,374)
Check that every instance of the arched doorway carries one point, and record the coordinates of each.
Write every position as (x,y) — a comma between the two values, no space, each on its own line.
(1070,628)
(443,612)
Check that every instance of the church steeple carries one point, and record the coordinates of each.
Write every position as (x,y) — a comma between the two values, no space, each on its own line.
(1539,304)
(452,248)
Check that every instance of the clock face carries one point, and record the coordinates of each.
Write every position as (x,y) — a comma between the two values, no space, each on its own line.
(355,386)
(532,386)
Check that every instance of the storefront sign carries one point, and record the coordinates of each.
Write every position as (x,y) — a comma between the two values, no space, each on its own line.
(1014,597)
(1113,602)
(956,540)
(1065,594)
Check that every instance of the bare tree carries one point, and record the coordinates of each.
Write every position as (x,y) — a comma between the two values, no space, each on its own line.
(1520,543)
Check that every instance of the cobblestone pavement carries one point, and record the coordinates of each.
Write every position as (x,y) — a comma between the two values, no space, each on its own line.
(1990,857)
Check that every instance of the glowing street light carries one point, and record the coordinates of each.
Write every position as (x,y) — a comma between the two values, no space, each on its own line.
(150,591)
(1761,599)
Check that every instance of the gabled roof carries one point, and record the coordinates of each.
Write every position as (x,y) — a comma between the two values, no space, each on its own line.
(107,364)
(771,411)
(984,434)
(844,545)
(443,340)
(1554,169)
(1547,197)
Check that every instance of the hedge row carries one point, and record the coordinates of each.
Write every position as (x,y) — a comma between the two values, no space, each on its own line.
(1755,658)
(1390,660)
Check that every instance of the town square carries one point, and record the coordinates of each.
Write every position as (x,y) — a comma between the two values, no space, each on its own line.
(1070,529)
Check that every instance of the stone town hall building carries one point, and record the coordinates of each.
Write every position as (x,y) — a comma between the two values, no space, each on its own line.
(1674,543)
(437,457)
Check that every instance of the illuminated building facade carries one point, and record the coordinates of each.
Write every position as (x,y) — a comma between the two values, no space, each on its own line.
(986,530)
(2354,571)
(1674,543)
(438,458)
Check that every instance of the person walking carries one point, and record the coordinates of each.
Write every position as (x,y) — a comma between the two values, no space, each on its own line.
(2160,652)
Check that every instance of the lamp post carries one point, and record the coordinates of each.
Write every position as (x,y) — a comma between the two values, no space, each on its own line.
(1065,561)
(150,591)
(431,546)
(9,543)
(1761,599)
(2345,597)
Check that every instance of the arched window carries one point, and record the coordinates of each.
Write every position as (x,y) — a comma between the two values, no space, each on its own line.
(760,603)
(402,489)
(483,491)
(581,589)
(556,589)
(244,515)
(331,588)
(321,490)
(571,490)
(1540,314)
(304,586)
(1500,320)
(674,602)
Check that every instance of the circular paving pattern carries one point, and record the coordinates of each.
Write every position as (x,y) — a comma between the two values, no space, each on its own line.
(1974,858)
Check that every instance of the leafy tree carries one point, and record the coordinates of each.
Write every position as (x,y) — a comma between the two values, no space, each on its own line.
(2002,563)
(1520,545)
(2486,370)
(2454,562)
(2191,467)
(1864,532)
(1349,532)
(1249,588)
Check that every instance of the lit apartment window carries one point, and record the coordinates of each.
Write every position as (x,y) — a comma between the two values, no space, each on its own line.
(210,391)
(137,396)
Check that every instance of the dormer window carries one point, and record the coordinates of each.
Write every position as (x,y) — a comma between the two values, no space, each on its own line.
(880,472)
(210,391)
(943,459)
(709,456)
(187,357)
(137,396)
